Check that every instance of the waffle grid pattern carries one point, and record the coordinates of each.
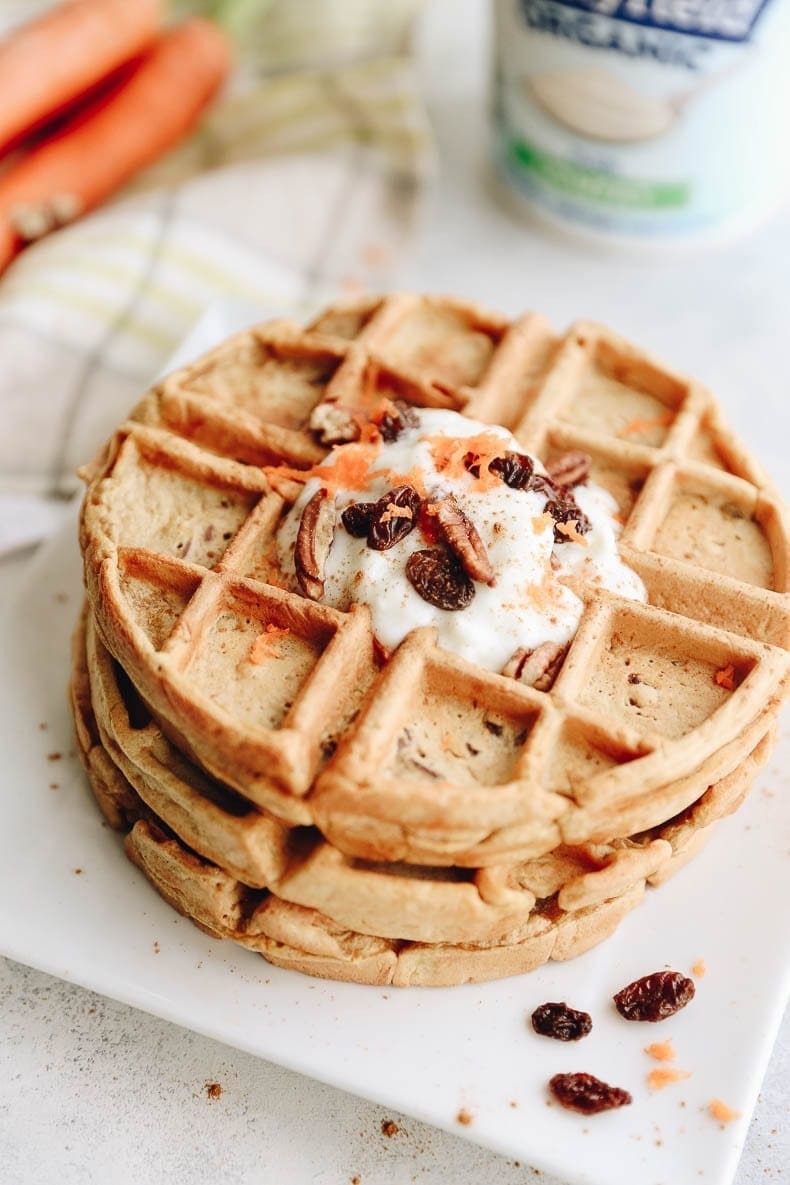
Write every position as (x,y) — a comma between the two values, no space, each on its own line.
(330,915)
(594,758)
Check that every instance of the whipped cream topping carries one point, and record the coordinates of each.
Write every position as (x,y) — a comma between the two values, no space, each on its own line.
(528,603)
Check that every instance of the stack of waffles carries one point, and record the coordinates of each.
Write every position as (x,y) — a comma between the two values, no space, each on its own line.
(413,818)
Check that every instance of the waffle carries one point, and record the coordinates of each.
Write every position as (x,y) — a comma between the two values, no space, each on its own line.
(399,902)
(177,532)
(169,810)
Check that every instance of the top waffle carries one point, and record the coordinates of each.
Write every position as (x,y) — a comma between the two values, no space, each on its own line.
(424,757)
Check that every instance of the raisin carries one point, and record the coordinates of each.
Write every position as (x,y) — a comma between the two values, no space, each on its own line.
(356,518)
(472,464)
(515,469)
(564,509)
(392,423)
(376,519)
(561,1022)
(587,1094)
(561,505)
(393,517)
(655,997)
(439,579)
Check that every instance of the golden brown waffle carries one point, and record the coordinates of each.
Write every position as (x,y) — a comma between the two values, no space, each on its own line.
(177,533)
(583,893)
(396,902)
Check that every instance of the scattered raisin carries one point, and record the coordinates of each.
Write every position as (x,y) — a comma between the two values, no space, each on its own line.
(401,417)
(356,518)
(393,517)
(655,997)
(587,1094)
(439,579)
(515,469)
(561,1022)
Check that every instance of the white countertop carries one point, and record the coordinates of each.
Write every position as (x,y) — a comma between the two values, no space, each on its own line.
(93,1091)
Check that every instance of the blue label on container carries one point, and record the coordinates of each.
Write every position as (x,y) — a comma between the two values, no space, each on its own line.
(717,20)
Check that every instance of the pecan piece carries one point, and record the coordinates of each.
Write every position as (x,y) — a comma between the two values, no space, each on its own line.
(537,668)
(439,579)
(460,534)
(316,531)
(570,469)
(333,424)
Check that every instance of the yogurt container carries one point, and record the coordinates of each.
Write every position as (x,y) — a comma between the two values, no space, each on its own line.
(644,119)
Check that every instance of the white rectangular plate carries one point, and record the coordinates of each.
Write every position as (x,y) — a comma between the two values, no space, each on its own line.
(71,905)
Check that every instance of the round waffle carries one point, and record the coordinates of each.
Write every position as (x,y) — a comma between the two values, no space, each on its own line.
(240,875)
(178,533)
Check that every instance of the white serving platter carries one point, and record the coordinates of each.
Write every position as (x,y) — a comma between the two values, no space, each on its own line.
(71,905)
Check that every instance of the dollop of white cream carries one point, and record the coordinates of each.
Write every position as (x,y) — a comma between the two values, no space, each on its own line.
(526,606)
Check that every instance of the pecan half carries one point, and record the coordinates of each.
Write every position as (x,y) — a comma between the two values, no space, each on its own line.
(333,424)
(570,469)
(460,534)
(316,531)
(537,668)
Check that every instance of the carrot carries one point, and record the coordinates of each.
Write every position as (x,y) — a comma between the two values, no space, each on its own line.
(49,62)
(97,152)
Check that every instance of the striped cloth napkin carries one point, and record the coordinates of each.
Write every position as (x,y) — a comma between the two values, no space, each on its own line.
(302,182)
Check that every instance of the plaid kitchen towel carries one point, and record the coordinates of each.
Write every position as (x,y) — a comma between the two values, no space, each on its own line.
(300,183)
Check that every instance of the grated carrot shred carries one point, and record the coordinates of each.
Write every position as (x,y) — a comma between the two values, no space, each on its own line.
(414,478)
(722,1112)
(571,532)
(448,453)
(699,969)
(638,426)
(350,468)
(394,511)
(726,678)
(266,643)
(662,1051)
(664,1076)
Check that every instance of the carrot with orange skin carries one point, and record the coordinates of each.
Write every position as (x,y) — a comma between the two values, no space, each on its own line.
(94,155)
(51,61)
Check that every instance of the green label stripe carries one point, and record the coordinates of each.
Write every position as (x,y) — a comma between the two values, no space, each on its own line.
(604,188)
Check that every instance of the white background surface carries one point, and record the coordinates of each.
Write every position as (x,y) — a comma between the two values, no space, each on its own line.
(93,1091)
